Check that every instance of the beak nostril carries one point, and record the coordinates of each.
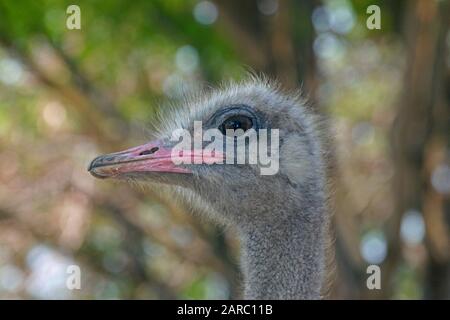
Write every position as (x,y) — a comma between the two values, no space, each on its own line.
(152,150)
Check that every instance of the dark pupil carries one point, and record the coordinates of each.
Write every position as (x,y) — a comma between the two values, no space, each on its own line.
(235,123)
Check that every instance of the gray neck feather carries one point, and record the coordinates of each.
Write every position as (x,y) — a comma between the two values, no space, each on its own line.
(283,260)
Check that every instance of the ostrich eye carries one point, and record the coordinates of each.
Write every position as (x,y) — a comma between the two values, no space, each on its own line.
(235,123)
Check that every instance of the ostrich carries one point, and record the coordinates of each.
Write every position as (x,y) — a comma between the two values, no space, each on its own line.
(281,219)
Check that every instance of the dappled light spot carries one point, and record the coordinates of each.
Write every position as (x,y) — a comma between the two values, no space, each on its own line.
(328,46)
(11,71)
(267,7)
(54,114)
(440,179)
(342,18)
(47,279)
(412,229)
(206,12)
(321,19)
(373,247)
(186,59)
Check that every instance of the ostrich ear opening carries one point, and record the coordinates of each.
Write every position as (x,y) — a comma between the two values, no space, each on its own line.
(149,157)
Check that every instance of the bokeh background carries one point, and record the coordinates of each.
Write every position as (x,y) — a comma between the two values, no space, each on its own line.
(69,95)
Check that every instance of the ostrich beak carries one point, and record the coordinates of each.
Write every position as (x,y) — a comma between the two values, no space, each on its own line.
(149,157)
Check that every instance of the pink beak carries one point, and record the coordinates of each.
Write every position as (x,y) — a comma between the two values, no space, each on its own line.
(149,157)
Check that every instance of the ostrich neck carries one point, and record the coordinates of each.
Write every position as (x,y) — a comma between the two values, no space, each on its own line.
(283,259)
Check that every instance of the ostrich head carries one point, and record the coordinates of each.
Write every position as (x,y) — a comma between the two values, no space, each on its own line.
(258,205)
